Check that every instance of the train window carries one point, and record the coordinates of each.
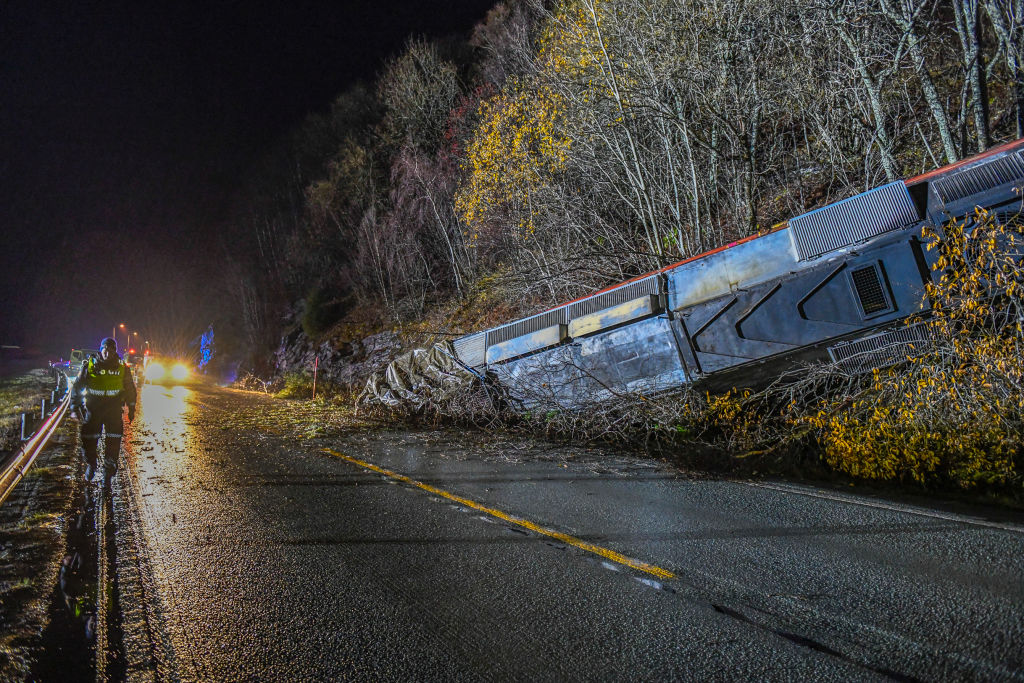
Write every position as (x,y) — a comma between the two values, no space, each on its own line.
(870,290)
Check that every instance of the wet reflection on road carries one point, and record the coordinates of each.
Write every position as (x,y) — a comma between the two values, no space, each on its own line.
(84,637)
(84,634)
(77,578)
(165,419)
(165,438)
(72,628)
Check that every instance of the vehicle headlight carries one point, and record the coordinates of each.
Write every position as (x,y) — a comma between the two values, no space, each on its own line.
(155,371)
(179,371)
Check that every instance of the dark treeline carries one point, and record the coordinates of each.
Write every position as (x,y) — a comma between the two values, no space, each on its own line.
(568,145)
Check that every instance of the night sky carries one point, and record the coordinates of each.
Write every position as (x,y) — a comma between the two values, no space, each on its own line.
(123,128)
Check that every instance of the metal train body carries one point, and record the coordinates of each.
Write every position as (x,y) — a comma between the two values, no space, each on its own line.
(837,282)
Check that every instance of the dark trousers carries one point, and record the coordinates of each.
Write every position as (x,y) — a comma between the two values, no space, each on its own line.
(104,420)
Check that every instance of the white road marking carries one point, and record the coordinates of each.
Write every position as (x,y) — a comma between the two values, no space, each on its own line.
(947,516)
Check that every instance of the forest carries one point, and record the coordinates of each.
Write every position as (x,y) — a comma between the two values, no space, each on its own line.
(569,144)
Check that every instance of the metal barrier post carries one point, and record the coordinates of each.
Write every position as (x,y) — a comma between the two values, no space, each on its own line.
(26,427)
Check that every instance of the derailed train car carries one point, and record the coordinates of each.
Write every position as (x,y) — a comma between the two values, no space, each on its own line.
(838,283)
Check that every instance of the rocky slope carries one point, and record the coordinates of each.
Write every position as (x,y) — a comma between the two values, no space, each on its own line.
(346,364)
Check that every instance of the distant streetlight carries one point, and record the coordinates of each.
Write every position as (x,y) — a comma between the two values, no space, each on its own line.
(113,332)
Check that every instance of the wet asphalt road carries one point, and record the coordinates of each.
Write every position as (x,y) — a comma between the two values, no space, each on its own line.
(267,558)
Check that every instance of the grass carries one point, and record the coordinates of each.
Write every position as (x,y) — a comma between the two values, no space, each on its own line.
(37,519)
(18,394)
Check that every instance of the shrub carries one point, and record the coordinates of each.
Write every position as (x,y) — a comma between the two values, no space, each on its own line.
(300,385)
(296,385)
(952,413)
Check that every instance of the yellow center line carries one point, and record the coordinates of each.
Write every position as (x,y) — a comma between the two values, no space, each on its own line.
(526,524)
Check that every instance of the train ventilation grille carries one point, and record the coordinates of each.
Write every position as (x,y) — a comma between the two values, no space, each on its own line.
(534,323)
(980,178)
(882,350)
(870,291)
(614,297)
(853,220)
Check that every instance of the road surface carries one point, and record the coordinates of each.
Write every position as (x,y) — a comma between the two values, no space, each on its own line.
(249,553)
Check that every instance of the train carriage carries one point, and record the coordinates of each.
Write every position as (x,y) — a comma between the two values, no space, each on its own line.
(840,282)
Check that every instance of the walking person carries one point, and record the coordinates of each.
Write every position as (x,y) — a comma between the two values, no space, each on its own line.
(104,386)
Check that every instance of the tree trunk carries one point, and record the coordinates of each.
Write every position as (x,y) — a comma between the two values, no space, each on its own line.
(874,101)
(1005,27)
(931,95)
(966,15)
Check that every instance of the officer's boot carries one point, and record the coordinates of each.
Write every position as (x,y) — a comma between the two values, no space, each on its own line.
(111,451)
(88,450)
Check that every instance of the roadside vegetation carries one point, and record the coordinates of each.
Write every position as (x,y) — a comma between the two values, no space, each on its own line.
(571,144)
(31,526)
(20,393)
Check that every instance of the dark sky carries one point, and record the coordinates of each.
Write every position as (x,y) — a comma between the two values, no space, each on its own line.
(123,126)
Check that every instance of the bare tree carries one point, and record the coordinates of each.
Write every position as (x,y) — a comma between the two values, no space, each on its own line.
(418,90)
(967,15)
(857,25)
(1007,17)
(910,17)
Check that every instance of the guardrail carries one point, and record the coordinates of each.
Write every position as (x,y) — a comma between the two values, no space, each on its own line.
(18,466)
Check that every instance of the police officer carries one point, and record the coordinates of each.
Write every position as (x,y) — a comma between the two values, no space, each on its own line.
(103,387)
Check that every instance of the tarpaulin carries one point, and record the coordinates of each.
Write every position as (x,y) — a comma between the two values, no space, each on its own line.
(419,377)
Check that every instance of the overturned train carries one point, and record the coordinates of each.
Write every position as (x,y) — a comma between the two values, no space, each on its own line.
(836,283)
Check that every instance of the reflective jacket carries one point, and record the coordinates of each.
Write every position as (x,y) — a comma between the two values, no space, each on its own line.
(102,382)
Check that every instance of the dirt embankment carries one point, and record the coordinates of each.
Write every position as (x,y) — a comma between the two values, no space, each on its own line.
(33,523)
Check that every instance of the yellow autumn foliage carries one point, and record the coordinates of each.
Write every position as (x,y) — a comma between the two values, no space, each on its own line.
(524,137)
(515,148)
(953,412)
